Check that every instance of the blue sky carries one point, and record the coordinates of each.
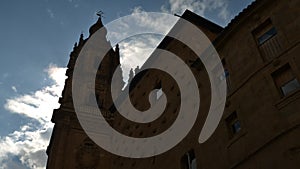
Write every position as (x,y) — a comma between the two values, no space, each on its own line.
(36,39)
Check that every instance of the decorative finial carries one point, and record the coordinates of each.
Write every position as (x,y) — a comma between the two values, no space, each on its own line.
(117,48)
(98,24)
(131,74)
(100,14)
(136,70)
(81,38)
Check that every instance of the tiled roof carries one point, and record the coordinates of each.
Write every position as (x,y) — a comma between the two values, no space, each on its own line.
(239,18)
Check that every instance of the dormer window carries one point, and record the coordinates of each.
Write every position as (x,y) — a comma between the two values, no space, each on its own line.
(233,124)
(269,42)
(285,80)
(189,161)
(267,35)
(264,32)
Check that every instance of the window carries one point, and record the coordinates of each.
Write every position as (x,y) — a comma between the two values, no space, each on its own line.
(225,75)
(269,42)
(188,160)
(233,124)
(221,77)
(159,94)
(159,91)
(264,32)
(285,80)
(290,86)
(267,35)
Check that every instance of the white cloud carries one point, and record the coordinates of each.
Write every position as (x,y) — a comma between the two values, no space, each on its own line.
(179,6)
(135,51)
(14,89)
(221,6)
(139,21)
(5,75)
(76,5)
(151,22)
(39,105)
(50,13)
(200,7)
(30,142)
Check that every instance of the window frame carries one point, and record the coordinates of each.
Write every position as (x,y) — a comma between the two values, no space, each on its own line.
(189,160)
(264,30)
(231,120)
(282,73)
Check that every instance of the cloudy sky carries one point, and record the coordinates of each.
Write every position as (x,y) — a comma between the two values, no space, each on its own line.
(36,38)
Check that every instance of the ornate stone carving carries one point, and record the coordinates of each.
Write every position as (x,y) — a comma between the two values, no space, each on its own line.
(88,155)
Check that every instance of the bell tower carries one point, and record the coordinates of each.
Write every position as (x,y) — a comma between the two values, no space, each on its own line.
(70,147)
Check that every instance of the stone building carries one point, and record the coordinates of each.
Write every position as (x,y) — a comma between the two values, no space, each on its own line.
(260,126)
(69,145)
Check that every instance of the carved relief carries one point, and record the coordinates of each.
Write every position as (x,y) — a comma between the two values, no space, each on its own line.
(88,155)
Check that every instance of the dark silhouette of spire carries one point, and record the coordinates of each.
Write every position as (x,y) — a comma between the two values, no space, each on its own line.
(117,51)
(117,48)
(75,46)
(131,74)
(136,70)
(81,39)
(96,26)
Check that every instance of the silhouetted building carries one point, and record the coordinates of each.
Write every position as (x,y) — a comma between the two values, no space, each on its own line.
(69,145)
(260,126)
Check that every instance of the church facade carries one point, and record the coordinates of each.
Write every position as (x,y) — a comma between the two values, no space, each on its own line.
(259,51)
